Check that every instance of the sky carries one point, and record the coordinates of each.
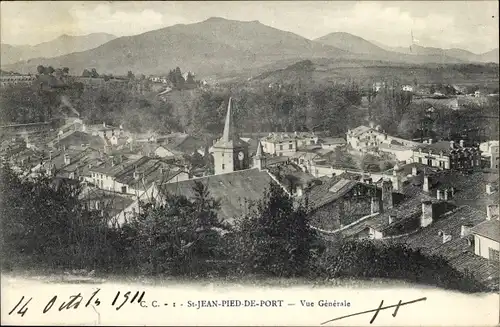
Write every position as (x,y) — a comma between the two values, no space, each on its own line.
(470,25)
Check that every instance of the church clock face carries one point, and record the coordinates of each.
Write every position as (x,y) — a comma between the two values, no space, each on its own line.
(241,155)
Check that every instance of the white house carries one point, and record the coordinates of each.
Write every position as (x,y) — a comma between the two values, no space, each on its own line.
(487,235)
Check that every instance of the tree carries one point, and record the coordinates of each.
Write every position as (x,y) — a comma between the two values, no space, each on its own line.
(50,70)
(190,79)
(130,75)
(177,235)
(40,69)
(275,238)
(86,73)
(94,73)
(65,70)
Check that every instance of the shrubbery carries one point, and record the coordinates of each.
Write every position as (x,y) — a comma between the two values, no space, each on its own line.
(45,226)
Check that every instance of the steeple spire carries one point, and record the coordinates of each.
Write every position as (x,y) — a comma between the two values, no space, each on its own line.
(228,134)
(258,154)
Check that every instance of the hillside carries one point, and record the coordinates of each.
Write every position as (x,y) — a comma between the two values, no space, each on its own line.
(460,54)
(368,71)
(490,56)
(209,48)
(62,45)
(362,49)
(351,43)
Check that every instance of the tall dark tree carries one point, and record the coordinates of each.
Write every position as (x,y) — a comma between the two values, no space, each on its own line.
(275,238)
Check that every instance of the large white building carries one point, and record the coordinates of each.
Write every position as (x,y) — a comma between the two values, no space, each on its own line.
(373,139)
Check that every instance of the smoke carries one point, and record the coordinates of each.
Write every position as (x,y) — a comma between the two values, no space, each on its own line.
(67,103)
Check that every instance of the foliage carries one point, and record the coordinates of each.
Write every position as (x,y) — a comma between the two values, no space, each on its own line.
(275,238)
(179,235)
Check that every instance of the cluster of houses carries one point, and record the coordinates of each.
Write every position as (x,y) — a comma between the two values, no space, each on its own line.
(438,197)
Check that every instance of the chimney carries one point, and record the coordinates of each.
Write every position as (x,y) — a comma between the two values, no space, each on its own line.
(446,237)
(414,171)
(67,160)
(438,194)
(465,230)
(426,183)
(462,143)
(492,211)
(489,189)
(446,195)
(50,155)
(392,218)
(103,124)
(452,192)
(375,205)
(452,144)
(387,197)
(396,183)
(427,215)
(430,141)
(299,191)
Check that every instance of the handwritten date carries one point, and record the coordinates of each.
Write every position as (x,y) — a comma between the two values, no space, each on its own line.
(74,301)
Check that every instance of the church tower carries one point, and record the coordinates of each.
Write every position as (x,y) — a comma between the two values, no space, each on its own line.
(230,152)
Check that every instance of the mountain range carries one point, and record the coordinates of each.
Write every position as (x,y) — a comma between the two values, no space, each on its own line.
(218,46)
(62,45)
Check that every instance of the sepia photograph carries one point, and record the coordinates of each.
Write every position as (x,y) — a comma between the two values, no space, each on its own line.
(250,163)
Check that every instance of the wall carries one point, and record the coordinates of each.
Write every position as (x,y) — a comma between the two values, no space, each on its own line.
(482,245)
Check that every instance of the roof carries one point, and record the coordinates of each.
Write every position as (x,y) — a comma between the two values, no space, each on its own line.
(233,190)
(405,214)
(332,140)
(489,229)
(442,146)
(360,130)
(456,251)
(328,190)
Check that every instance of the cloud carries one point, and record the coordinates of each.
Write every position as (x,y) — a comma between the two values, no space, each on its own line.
(104,19)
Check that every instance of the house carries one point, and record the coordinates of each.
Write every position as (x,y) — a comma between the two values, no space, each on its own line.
(284,144)
(133,176)
(331,142)
(373,139)
(406,88)
(487,235)
(377,86)
(448,155)
(489,150)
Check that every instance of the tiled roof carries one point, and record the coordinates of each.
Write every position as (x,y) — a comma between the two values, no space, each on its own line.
(443,146)
(489,229)
(332,140)
(328,190)
(234,190)
(457,250)
(360,130)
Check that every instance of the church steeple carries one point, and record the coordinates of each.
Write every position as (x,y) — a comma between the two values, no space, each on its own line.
(229,132)
(230,152)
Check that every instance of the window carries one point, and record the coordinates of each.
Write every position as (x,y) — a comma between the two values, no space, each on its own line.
(222,154)
(223,166)
(290,146)
(281,147)
(419,160)
(494,254)
(124,189)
